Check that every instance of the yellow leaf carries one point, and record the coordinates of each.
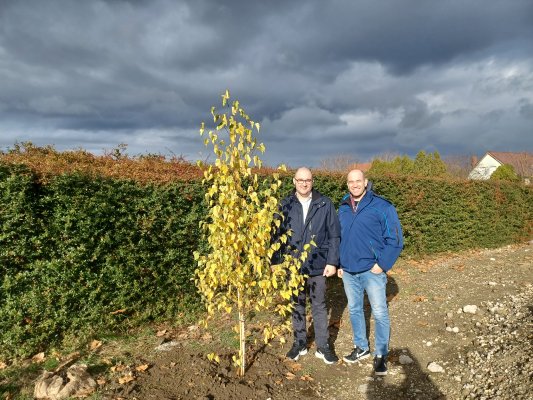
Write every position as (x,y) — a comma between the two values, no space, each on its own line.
(142,368)
(118,368)
(126,379)
(95,344)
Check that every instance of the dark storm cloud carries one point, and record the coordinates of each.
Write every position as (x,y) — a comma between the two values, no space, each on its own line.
(323,78)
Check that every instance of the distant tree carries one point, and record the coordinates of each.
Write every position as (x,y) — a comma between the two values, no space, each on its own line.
(459,166)
(401,165)
(423,165)
(505,172)
(429,164)
(338,163)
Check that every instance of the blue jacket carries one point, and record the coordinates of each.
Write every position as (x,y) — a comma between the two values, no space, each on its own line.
(372,234)
(321,225)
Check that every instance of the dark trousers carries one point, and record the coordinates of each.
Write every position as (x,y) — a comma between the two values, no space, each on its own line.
(315,290)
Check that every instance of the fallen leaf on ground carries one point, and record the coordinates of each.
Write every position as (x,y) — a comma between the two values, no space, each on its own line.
(121,311)
(101,381)
(161,333)
(295,367)
(419,299)
(38,357)
(290,376)
(422,323)
(118,368)
(142,368)
(3,365)
(95,344)
(308,378)
(126,379)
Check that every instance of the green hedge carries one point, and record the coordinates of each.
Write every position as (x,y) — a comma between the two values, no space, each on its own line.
(76,250)
(441,215)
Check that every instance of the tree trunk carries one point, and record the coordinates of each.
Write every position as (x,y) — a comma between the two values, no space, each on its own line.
(242,336)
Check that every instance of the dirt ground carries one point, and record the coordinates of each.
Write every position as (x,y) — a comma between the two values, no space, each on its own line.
(424,298)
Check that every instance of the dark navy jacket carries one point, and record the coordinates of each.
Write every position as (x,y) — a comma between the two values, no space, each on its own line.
(372,234)
(321,226)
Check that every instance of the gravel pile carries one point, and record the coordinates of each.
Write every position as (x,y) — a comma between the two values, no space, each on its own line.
(499,365)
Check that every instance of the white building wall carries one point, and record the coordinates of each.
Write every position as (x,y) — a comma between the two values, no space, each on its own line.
(484,168)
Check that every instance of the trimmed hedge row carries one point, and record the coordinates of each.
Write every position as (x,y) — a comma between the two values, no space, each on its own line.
(80,255)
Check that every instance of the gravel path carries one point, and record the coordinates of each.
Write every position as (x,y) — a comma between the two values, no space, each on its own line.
(462,328)
(500,364)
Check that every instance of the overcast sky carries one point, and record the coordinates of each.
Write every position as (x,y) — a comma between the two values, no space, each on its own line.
(324,78)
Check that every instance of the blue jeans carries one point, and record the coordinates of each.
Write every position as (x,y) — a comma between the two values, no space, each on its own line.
(355,284)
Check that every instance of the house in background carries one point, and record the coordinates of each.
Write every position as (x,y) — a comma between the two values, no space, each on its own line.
(521,162)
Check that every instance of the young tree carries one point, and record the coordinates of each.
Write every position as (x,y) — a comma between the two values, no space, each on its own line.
(235,273)
(505,172)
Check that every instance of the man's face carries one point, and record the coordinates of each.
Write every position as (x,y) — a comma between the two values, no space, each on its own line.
(357,184)
(303,182)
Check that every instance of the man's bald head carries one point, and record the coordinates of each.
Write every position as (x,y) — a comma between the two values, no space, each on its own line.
(357,183)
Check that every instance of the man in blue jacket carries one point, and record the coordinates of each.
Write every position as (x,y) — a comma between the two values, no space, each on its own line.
(371,241)
(311,216)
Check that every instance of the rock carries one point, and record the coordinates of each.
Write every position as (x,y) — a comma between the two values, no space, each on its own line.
(429,344)
(492,283)
(434,367)
(455,329)
(167,346)
(471,309)
(363,388)
(449,329)
(405,359)
(52,385)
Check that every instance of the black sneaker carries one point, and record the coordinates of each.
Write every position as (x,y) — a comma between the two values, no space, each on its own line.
(298,349)
(380,365)
(356,355)
(326,354)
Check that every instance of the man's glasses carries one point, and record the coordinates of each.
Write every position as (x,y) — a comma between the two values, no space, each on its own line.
(302,181)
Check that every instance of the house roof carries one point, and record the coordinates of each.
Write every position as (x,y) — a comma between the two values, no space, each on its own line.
(521,162)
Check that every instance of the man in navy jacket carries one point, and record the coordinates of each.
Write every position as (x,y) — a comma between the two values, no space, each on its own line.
(371,241)
(311,216)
